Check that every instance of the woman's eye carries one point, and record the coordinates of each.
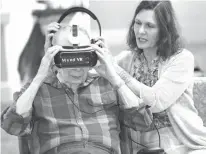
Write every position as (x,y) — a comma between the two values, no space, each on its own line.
(137,23)
(150,25)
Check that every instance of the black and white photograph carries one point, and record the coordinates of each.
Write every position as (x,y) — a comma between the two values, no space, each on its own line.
(103,76)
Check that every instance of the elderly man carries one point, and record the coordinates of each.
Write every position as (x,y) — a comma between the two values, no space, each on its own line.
(69,111)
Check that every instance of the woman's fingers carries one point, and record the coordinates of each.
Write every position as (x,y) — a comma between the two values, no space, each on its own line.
(100,56)
(97,48)
(100,69)
(103,54)
(100,44)
(100,38)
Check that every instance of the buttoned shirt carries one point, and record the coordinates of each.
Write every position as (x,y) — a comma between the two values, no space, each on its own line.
(61,116)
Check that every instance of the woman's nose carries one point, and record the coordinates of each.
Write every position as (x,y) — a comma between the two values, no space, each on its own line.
(142,29)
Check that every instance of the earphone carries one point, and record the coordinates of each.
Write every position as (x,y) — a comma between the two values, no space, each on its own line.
(157,150)
(84,10)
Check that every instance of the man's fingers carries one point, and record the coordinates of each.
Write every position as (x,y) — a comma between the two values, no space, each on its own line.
(55,52)
(50,35)
(54,24)
(53,49)
(52,29)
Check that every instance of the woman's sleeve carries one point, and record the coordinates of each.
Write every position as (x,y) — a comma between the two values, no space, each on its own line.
(174,80)
(172,83)
(14,123)
(138,117)
(123,59)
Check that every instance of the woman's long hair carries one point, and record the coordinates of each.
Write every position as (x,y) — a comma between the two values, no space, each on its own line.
(169,39)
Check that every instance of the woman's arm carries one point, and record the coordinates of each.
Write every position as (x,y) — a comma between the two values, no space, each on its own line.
(106,70)
(133,111)
(132,83)
(122,67)
(171,85)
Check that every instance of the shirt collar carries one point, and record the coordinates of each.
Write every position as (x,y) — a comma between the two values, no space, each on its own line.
(54,81)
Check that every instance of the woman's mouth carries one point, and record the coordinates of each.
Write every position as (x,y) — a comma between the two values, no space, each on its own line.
(142,39)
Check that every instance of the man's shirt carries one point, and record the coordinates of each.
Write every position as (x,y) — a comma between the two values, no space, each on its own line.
(60,116)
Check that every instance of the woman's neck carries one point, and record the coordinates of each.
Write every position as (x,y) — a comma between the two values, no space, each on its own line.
(150,54)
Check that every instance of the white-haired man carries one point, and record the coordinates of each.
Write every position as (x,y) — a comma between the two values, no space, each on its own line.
(71,112)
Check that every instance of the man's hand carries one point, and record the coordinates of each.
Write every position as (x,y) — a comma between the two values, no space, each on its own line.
(52,28)
(25,101)
(47,61)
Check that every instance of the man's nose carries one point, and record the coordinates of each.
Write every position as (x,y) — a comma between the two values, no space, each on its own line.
(77,69)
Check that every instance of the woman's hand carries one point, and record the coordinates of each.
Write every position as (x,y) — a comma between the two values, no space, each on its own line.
(52,28)
(106,68)
(103,52)
(47,61)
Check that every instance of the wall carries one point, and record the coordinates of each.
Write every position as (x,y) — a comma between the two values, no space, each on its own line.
(17,32)
(114,16)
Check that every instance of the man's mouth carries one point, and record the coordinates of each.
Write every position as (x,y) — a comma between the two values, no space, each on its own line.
(76,73)
(76,76)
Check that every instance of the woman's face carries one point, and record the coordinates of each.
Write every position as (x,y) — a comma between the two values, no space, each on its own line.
(146,29)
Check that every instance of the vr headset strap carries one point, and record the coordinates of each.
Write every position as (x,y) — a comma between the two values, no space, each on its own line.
(80,9)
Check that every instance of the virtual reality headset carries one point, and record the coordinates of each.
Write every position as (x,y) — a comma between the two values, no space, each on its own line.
(77,56)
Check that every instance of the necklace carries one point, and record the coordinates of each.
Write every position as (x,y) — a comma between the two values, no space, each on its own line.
(144,73)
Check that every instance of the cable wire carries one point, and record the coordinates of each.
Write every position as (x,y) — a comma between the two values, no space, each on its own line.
(75,104)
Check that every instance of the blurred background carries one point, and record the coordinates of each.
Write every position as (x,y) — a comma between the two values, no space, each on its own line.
(22,37)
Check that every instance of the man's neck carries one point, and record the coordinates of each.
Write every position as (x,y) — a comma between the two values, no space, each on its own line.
(73,86)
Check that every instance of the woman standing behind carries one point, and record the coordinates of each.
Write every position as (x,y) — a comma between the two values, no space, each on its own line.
(160,72)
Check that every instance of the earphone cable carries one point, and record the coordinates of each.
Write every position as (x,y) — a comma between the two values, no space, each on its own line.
(159,138)
(158,134)
(72,100)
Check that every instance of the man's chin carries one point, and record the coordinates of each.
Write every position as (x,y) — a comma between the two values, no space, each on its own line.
(75,80)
